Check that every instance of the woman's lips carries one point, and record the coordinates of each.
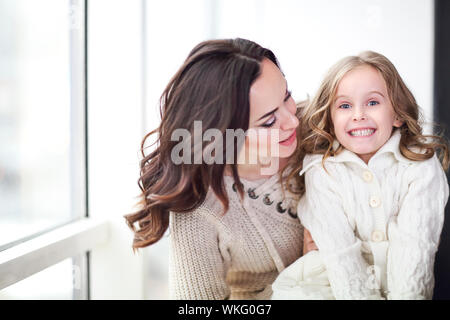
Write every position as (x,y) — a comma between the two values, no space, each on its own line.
(289,140)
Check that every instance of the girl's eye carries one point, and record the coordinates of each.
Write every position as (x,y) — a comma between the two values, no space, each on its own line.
(373,103)
(288,95)
(344,106)
(270,123)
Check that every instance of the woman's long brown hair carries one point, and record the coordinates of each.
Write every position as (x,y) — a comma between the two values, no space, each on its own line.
(212,86)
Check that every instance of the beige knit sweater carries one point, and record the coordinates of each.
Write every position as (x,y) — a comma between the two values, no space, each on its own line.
(237,255)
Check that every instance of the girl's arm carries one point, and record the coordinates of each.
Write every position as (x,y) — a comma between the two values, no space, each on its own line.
(197,269)
(414,234)
(321,212)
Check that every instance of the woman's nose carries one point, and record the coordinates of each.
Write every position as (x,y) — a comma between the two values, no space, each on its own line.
(289,121)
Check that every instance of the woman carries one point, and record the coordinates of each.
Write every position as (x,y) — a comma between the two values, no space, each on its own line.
(233,225)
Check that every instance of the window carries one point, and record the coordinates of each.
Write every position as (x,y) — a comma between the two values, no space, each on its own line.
(42,151)
(42,159)
(61,281)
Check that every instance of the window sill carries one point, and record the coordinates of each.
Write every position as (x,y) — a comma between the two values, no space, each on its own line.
(32,256)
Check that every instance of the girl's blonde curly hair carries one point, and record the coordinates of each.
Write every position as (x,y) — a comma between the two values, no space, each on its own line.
(316,127)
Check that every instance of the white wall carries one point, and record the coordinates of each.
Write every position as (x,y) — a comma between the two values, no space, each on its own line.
(309,36)
(173,28)
(115,117)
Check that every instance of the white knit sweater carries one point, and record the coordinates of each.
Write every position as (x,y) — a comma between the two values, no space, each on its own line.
(237,255)
(377,225)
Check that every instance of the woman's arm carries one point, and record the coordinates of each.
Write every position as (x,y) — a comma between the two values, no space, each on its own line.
(321,212)
(197,269)
(414,234)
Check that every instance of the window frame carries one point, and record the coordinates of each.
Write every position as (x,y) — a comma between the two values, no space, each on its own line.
(27,258)
(74,239)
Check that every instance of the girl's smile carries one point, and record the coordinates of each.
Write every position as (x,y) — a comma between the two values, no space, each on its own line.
(362,132)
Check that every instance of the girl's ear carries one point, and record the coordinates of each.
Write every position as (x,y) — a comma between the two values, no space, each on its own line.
(397,122)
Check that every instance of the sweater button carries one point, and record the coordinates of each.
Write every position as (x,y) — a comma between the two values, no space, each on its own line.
(367,176)
(234,187)
(266,200)
(377,236)
(293,214)
(374,201)
(280,209)
(252,194)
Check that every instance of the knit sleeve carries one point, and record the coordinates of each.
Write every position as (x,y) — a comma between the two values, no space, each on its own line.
(321,211)
(414,234)
(197,269)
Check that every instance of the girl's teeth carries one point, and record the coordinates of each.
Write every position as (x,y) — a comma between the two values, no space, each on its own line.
(362,133)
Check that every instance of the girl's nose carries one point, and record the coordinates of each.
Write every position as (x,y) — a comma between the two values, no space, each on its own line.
(358,114)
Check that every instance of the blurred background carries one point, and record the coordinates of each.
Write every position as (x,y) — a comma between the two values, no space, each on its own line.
(79,87)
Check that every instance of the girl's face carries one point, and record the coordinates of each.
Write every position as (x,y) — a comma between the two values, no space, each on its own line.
(272,123)
(362,114)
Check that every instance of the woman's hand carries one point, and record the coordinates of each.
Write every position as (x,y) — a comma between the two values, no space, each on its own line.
(308,242)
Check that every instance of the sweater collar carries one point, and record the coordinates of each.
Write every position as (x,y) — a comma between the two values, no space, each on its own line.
(391,147)
(261,186)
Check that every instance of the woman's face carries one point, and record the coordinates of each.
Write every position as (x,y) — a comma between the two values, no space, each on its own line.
(272,124)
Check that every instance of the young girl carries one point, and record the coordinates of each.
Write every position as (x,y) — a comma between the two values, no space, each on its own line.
(375,189)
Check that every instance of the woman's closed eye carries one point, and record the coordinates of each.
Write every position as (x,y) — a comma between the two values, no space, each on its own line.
(269,122)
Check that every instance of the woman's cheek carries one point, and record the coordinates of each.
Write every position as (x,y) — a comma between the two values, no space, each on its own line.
(260,144)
